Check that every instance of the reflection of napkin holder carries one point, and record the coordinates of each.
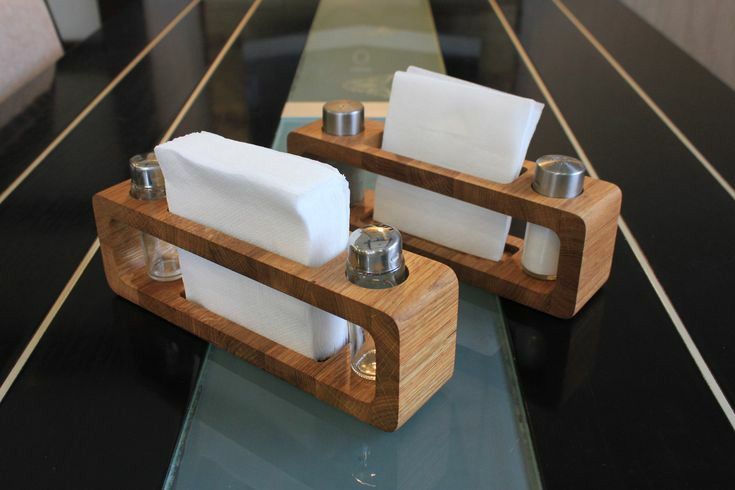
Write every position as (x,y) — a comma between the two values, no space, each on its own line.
(414,324)
(586,225)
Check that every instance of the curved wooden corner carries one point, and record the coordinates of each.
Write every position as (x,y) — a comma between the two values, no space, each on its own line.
(586,225)
(413,325)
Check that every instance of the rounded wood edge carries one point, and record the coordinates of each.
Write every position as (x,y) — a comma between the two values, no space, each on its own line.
(392,321)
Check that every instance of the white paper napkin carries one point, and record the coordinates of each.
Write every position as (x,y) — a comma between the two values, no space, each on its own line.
(464,127)
(289,205)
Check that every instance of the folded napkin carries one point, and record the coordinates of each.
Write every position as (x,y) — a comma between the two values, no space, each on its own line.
(289,205)
(460,126)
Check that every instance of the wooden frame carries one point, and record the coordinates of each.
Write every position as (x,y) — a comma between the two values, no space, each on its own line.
(413,325)
(586,225)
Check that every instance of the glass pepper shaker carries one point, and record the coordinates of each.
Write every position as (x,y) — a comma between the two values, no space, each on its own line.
(146,184)
(374,261)
(346,117)
(556,176)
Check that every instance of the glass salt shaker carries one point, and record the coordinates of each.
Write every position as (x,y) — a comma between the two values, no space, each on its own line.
(346,117)
(556,176)
(374,261)
(161,258)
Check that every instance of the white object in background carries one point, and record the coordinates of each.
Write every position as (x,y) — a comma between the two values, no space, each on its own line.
(29,49)
(559,177)
(28,44)
(460,126)
(75,20)
(289,205)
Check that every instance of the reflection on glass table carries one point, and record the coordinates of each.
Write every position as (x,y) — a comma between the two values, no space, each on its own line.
(248,429)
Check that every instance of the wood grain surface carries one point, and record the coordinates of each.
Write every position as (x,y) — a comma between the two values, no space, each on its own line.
(413,324)
(586,225)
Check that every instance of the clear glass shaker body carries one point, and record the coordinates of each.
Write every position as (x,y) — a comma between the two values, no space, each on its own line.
(161,258)
(146,184)
(362,345)
(383,245)
(375,258)
(346,118)
(362,352)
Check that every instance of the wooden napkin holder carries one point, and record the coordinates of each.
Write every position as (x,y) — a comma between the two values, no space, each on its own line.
(586,225)
(414,324)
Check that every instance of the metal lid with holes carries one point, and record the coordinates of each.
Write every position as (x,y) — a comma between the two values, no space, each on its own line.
(558,176)
(343,117)
(375,257)
(146,178)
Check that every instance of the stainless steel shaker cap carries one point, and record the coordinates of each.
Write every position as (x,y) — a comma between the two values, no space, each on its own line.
(343,117)
(558,176)
(375,249)
(146,177)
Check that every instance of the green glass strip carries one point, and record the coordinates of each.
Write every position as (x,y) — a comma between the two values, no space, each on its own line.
(248,429)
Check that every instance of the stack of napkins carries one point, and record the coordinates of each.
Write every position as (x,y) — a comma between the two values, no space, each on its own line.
(461,126)
(289,205)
